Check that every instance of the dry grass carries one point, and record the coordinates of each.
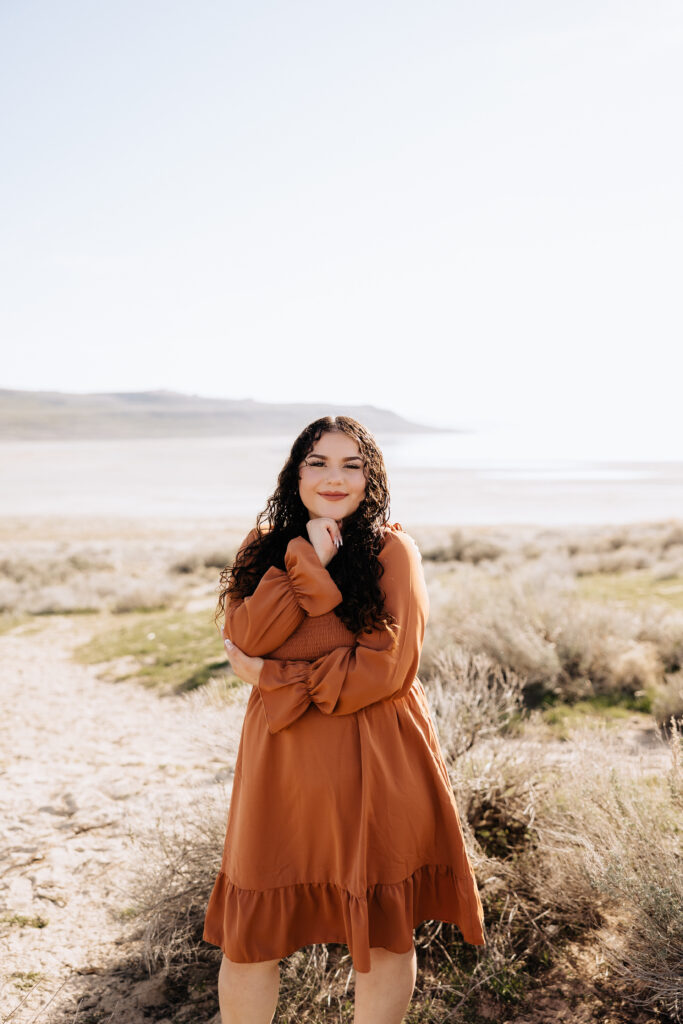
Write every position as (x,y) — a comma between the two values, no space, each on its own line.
(471,697)
(668,702)
(580,847)
(627,832)
(603,549)
(170,895)
(535,620)
(73,577)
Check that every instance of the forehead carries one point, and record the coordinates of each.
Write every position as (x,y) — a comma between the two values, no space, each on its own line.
(336,446)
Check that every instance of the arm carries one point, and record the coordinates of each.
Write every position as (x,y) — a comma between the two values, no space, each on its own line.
(374,669)
(261,622)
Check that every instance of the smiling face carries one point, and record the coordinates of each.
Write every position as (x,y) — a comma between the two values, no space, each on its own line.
(334,467)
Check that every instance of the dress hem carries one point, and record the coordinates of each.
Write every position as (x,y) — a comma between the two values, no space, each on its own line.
(254,925)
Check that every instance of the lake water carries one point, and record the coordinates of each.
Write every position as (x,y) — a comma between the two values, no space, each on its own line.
(441,478)
(545,449)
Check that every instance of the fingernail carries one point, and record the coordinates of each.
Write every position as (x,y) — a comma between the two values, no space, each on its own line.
(228,643)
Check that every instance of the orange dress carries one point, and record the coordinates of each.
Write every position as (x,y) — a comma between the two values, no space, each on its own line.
(342,824)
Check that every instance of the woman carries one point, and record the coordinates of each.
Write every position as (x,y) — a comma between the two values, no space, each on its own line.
(342,824)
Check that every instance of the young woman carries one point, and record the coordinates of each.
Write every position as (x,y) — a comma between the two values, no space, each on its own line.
(342,824)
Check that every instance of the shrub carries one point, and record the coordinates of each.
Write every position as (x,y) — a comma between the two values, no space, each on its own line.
(471,696)
(140,597)
(630,842)
(218,558)
(668,701)
(663,627)
(499,617)
(464,548)
(588,844)
(189,563)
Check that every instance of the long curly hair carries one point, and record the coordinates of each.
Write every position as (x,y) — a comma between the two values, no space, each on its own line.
(355,568)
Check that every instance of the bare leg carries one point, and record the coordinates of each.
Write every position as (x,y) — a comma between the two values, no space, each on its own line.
(384,993)
(248,993)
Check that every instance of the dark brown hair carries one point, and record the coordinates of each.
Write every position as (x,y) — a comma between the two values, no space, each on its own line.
(355,568)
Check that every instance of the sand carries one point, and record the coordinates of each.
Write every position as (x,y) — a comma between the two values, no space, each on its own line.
(87,769)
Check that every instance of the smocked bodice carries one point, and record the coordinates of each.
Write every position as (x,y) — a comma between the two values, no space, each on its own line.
(317,635)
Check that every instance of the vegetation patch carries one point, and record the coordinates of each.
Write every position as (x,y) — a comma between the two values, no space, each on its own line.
(25,980)
(22,921)
(170,649)
(10,620)
(631,588)
(605,709)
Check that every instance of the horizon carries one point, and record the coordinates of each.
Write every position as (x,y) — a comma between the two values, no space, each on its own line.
(484,444)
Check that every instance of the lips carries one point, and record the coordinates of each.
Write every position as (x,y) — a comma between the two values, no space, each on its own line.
(332,494)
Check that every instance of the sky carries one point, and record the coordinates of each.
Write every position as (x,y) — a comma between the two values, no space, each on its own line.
(466,212)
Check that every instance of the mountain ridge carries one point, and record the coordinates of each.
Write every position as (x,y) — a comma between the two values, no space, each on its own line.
(65,415)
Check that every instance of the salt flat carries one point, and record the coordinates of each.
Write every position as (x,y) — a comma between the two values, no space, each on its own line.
(228,480)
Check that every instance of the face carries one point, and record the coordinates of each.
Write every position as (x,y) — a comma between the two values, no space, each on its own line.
(334,466)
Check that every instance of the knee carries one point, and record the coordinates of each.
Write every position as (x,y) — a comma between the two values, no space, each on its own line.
(234,967)
(379,955)
(380,951)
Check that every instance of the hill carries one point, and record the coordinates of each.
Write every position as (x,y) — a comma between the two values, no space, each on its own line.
(57,415)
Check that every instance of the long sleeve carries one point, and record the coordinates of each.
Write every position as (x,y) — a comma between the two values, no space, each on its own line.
(376,668)
(261,622)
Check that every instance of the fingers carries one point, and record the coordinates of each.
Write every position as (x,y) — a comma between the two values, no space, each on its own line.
(337,541)
(330,526)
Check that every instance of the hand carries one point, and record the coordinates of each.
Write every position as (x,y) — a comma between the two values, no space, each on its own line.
(324,533)
(246,668)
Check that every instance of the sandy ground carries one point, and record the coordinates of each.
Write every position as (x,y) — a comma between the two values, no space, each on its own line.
(86,767)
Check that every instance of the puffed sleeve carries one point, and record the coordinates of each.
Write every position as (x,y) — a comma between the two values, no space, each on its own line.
(261,622)
(376,668)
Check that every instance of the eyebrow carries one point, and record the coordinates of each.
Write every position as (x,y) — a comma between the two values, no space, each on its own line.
(347,459)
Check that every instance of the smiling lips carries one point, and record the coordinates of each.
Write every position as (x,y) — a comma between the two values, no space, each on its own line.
(332,495)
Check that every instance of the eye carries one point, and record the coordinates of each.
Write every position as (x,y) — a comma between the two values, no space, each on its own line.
(317,463)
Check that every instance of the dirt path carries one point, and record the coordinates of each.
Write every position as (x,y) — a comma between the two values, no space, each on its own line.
(85,766)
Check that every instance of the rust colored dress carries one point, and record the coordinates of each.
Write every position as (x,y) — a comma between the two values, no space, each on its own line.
(342,825)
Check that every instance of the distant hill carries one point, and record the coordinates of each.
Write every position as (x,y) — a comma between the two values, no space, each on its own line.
(57,415)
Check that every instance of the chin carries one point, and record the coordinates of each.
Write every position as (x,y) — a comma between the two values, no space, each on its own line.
(333,510)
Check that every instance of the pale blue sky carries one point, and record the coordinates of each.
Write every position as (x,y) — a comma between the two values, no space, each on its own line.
(466,212)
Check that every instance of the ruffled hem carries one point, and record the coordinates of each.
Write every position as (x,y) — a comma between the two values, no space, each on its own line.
(252,925)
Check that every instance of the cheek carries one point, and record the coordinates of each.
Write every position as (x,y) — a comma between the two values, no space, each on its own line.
(306,493)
